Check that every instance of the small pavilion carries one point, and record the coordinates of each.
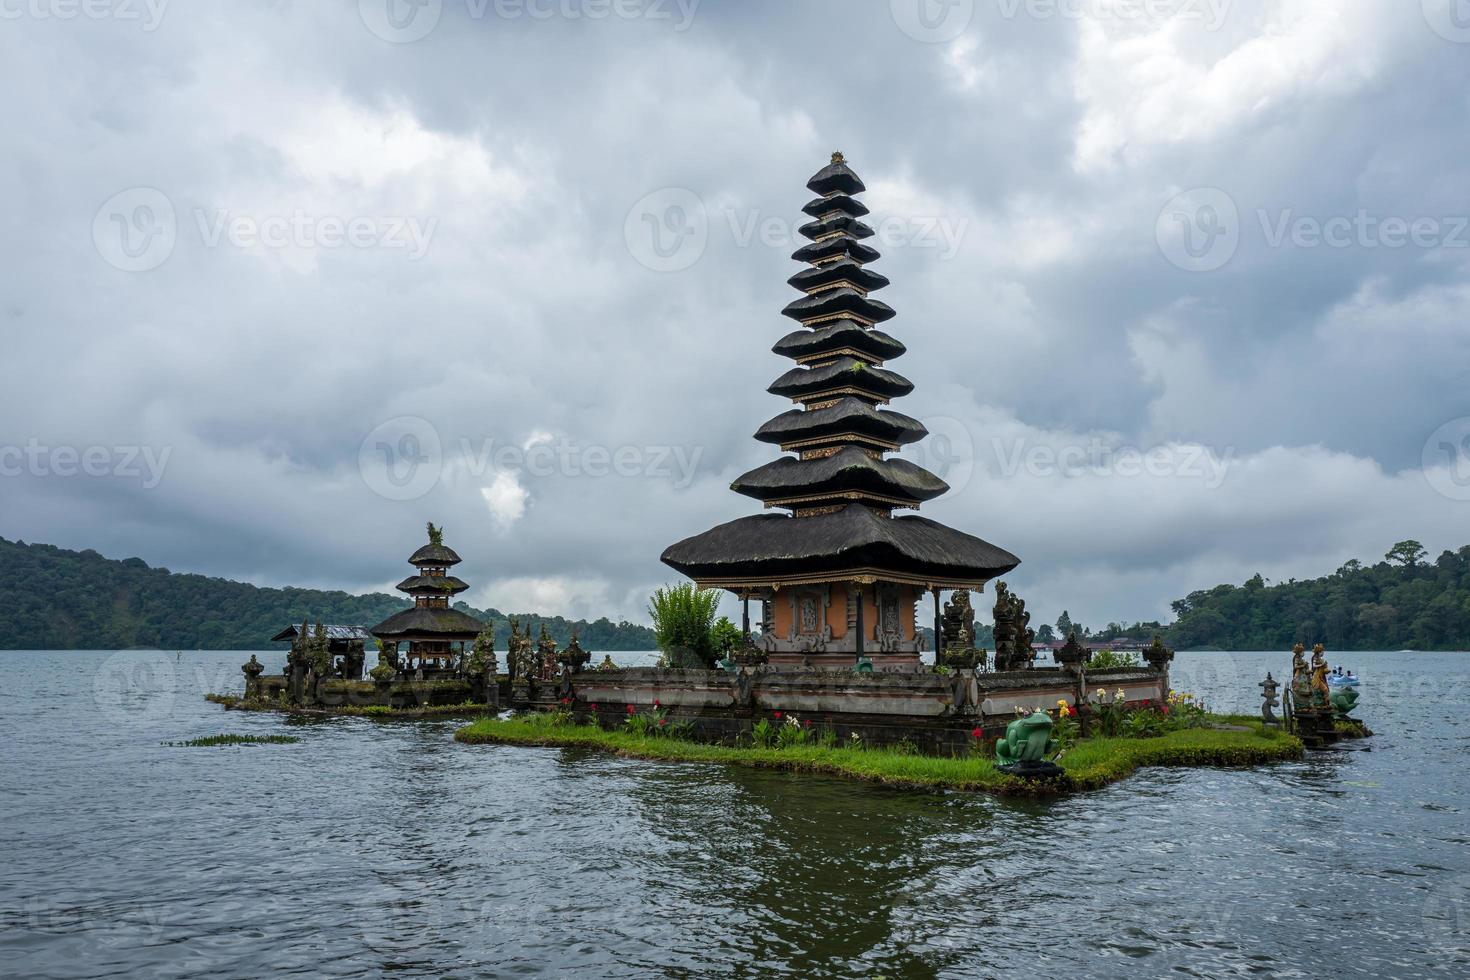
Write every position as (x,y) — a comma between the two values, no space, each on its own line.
(347,645)
(436,635)
(838,574)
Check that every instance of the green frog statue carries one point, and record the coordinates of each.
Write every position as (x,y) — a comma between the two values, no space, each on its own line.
(1344,700)
(1027,743)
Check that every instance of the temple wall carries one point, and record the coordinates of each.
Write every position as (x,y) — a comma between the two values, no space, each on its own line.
(936,711)
(838,597)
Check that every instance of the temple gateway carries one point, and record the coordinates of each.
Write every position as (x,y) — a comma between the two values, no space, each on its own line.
(840,574)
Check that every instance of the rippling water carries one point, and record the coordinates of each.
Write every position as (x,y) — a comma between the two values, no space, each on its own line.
(375,847)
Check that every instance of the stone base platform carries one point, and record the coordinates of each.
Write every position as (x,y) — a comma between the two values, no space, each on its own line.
(936,712)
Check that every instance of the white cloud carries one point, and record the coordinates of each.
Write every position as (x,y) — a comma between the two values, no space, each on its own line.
(506,499)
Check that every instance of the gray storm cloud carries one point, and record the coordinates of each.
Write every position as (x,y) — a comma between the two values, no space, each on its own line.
(1184,285)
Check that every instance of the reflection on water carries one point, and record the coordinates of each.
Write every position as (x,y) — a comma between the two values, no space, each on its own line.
(374,846)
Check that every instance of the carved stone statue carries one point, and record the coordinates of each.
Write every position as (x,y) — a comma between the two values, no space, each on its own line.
(1072,653)
(1015,641)
(546,655)
(1269,687)
(574,658)
(1157,655)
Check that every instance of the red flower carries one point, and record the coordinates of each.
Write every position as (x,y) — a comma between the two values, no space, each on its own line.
(807,723)
(1163,709)
(632,710)
(593,706)
(778,716)
(662,722)
(656,702)
(566,700)
(977,733)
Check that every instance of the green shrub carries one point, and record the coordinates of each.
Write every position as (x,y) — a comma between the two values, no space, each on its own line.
(683,625)
(1104,659)
(793,733)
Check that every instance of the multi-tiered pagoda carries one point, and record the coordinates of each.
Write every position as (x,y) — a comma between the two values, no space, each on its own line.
(435,634)
(839,576)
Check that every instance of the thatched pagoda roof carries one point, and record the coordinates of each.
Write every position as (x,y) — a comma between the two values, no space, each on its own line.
(850,470)
(422,622)
(434,556)
(432,585)
(845,543)
(848,416)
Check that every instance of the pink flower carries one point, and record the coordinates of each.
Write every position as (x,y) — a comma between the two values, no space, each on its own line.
(593,706)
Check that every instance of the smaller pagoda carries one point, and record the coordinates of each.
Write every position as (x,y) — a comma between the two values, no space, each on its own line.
(435,634)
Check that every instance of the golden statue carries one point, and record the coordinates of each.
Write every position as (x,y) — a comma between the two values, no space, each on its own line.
(1300,679)
(1320,690)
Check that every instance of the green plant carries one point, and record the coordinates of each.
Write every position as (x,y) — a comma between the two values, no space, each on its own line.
(214,740)
(1104,659)
(683,624)
(763,734)
(793,733)
(1066,732)
(828,739)
(1109,711)
(725,637)
(904,746)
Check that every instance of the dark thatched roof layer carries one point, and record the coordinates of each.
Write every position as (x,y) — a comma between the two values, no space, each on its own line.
(449,624)
(850,469)
(837,223)
(848,416)
(843,269)
(772,545)
(835,178)
(830,302)
(432,585)
(333,633)
(838,335)
(842,372)
(845,245)
(434,555)
(837,202)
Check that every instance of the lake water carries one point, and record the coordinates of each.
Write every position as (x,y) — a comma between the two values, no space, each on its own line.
(385,847)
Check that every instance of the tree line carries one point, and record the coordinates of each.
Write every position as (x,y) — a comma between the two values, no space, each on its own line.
(55,599)
(1404,601)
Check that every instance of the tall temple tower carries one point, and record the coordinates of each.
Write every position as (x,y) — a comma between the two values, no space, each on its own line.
(840,576)
(435,633)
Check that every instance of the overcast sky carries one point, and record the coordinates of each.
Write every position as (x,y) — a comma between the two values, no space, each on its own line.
(1184,282)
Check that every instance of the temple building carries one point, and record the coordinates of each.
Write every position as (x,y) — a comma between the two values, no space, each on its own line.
(839,575)
(435,634)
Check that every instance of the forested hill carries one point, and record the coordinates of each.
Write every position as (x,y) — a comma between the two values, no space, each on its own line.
(1402,602)
(52,599)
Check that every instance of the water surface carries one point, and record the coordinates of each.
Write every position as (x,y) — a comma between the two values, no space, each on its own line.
(385,847)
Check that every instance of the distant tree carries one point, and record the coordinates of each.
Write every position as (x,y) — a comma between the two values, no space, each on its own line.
(1044,634)
(1407,553)
(1064,624)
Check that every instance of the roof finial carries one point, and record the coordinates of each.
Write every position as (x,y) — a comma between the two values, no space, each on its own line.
(436,534)
(837,157)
